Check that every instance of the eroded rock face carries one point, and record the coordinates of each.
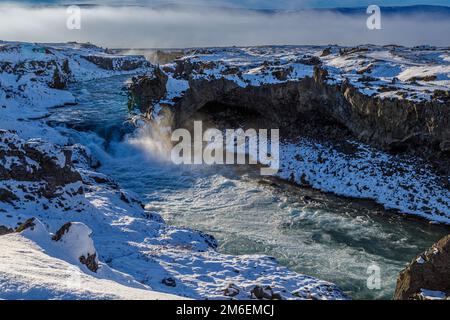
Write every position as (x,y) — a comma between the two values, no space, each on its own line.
(146,90)
(5,230)
(430,271)
(28,224)
(35,161)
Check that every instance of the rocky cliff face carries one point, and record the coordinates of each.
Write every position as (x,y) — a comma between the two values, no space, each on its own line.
(428,275)
(46,181)
(388,113)
(371,108)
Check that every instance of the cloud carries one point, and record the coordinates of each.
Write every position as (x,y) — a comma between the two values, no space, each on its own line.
(145,27)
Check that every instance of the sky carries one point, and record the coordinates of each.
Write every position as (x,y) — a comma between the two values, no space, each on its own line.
(147,27)
(261,4)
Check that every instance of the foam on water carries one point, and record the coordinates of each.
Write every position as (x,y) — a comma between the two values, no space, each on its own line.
(321,235)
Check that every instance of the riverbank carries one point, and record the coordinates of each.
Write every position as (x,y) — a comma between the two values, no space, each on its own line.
(45,176)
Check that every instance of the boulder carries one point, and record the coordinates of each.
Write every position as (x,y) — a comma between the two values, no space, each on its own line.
(33,229)
(35,161)
(75,239)
(28,224)
(430,271)
(231,290)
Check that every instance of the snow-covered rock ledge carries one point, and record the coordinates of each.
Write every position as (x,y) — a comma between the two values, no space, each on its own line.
(393,100)
(51,195)
(35,266)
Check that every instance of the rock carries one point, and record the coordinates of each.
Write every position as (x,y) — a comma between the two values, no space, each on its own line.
(326,52)
(282,74)
(231,290)
(35,161)
(60,233)
(277,296)
(90,261)
(429,271)
(146,90)
(445,146)
(169,281)
(5,230)
(7,196)
(33,229)
(261,293)
(75,239)
(117,63)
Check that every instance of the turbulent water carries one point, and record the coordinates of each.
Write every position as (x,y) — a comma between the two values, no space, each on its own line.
(311,232)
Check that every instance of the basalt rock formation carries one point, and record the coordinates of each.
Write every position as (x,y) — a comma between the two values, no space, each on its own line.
(395,124)
(35,161)
(430,271)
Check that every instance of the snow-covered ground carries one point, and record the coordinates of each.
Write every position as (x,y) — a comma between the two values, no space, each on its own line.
(44,177)
(385,72)
(139,255)
(32,267)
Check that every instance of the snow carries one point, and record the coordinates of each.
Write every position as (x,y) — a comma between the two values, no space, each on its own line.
(386,66)
(26,69)
(432,295)
(28,271)
(136,250)
(420,260)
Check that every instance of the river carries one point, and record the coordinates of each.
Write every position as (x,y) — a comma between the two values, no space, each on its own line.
(311,232)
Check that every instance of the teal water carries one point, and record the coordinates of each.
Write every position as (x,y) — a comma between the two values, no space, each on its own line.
(318,234)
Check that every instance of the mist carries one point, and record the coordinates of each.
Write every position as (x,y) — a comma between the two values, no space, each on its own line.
(172,27)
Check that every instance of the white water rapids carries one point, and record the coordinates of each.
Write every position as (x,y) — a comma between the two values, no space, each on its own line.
(321,235)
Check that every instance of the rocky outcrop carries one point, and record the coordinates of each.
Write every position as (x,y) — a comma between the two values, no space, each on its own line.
(145,91)
(35,161)
(61,76)
(114,63)
(398,125)
(77,242)
(5,230)
(28,224)
(430,271)
(265,293)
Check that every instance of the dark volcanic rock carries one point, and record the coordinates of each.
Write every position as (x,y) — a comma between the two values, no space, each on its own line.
(90,262)
(28,224)
(35,161)
(83,236)
(429,271)
(397,125)
(265,293)
(60,233)
(117,63)
(5,230)
(231,290)
(145,90)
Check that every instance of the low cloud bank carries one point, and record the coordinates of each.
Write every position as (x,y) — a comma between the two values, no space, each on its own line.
(144,27)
